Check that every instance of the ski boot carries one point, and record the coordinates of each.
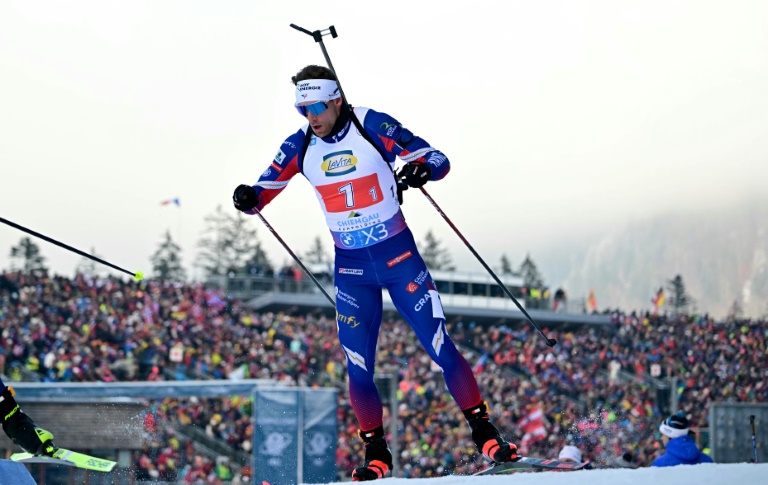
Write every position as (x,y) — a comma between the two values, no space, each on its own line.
(21,429)
(378,458)
(486,436)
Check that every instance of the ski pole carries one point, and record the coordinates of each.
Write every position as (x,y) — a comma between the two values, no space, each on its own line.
(754,440)
(295,258)
(318,36)
(550,341)
(138,276)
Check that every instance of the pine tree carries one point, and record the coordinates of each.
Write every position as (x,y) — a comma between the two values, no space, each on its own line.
(678,297)
(506,265)
(737,310)
(166,262)
(243,247)
(531,276)
(435,256)
(317,253)
(87,266)
(259,261)
(229,244)
(211,258)
(27,257)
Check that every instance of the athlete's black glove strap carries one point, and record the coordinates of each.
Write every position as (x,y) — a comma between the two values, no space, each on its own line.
(415,174)
(401,186)
(245,198)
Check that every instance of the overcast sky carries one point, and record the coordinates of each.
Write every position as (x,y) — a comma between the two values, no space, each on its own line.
(561,118)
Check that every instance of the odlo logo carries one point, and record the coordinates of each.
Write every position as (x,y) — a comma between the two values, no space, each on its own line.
(339,163)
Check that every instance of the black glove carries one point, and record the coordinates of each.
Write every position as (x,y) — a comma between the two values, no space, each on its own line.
(415,174)
(245,198)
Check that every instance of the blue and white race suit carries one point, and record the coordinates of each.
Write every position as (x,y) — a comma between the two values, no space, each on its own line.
(356,189)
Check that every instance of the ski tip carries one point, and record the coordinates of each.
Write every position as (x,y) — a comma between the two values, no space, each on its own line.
(138,276)
(67,458)
(20,456)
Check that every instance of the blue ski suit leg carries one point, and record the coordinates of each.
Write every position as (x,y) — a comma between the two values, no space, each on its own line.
(360,275)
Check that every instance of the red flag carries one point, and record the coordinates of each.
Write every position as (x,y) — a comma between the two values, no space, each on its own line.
(658,300)
(592,301)
(147,314)
(533,426)
(175,201)
(480,364)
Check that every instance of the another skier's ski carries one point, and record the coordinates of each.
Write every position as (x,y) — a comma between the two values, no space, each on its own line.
(66,457)
(527,462)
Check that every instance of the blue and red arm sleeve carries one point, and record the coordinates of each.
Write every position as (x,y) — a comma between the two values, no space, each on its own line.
(282,169)
(392,138)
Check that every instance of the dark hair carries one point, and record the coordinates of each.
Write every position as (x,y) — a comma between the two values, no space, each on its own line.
(313,72)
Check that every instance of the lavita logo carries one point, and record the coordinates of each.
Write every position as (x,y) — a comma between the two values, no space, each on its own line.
(339,163)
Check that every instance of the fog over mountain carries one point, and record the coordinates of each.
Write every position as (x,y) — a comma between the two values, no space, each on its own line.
(721,253)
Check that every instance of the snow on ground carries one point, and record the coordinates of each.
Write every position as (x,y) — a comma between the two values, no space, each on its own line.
(726,474)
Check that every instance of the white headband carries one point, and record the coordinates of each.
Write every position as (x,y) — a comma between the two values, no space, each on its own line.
(671,432)
(316,90)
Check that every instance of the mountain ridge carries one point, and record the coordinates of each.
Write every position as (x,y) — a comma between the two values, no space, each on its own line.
(721,253)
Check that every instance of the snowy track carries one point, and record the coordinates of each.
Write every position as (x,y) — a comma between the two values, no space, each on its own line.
(707,474)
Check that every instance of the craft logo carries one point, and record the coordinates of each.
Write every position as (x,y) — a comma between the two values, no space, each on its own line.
(422,301)
(399,259)
(353,271)
(412,287)
(339,163)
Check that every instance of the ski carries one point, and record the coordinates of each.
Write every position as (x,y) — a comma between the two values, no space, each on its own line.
(527,462)
(66,457)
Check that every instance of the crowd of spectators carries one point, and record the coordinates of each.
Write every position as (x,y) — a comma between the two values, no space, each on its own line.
(106,329)
(169,455)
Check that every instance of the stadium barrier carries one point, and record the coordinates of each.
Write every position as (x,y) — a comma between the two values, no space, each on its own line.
(730,434)
(295,429)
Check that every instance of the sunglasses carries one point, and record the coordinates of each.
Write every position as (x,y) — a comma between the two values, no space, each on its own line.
(314,108)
